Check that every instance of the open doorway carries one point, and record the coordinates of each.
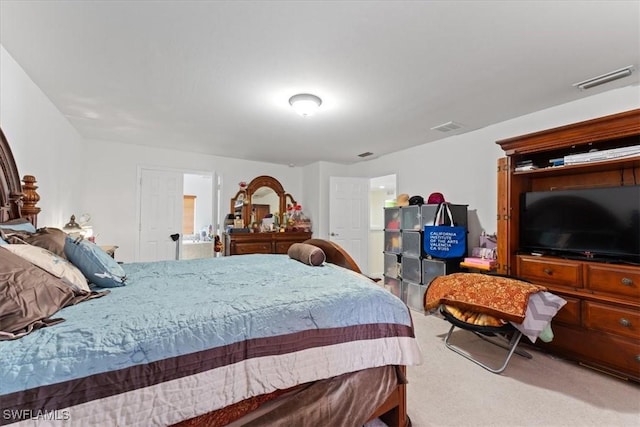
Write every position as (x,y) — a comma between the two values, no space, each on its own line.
(162,207)
(382,191)
(198,225)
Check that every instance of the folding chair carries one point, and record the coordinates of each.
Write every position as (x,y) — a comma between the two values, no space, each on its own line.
(497,335)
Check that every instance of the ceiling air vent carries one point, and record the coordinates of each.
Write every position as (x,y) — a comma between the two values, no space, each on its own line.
(447,127)
(365,154)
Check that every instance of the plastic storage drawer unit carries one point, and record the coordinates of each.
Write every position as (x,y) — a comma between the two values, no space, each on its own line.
(392,242)
(432,268)
(391,266)
(458,212)
(411,269)
(392,285)
(392,219)
(415,295)
(411,243)
(410,218)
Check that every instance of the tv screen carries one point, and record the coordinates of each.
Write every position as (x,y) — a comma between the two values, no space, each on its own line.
(599,223)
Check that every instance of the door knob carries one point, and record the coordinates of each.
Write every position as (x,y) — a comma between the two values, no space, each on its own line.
(334,234)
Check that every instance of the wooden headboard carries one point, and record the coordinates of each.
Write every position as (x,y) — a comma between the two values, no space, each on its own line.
(16,200)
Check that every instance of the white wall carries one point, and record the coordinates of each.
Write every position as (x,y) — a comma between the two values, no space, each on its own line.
(43,143)
(316,191)
(100,178)
(112,199)
(463,167)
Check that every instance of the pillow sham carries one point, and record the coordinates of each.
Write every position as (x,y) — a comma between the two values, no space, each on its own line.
(94,263)
(19,224)
(306,253)
(28,296)
(51,239)
(53,264)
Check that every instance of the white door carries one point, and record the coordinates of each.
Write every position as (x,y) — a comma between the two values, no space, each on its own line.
(160,213)
(349,217)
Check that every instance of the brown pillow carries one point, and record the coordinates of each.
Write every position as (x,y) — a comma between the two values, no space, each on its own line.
(28,296)
(51,239)
(306,253)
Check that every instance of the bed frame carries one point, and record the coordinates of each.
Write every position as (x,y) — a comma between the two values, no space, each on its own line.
(18,200)
(394,411)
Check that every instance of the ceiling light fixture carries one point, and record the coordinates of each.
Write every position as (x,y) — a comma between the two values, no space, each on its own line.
(305,104)
(604,78)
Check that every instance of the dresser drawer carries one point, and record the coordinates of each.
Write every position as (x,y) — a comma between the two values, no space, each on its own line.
(252,248)
(612,319)
(283,247)
(570,312)
(619,280)
(620,354)
(546,270)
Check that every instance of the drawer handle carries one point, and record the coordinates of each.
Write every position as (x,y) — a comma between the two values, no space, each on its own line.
(626,281)
(638,358)
(548,271)
(624,322)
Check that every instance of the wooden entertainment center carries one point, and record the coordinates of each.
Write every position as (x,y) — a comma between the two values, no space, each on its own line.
(600,325)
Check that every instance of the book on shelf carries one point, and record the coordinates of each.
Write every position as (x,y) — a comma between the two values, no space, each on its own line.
(596,156)
(526,168)
(480,262)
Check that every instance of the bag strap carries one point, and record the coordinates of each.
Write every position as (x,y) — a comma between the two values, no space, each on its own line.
(436,218)
(442,208)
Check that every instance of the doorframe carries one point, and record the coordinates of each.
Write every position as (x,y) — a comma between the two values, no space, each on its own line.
(214,197)
(388,178)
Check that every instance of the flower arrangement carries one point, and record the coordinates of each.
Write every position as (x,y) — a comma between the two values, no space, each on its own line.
(296,220)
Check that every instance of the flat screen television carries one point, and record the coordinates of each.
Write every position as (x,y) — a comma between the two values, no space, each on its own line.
(595,223)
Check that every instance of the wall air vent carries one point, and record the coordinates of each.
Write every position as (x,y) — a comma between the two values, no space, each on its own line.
(365,154)
(447,127)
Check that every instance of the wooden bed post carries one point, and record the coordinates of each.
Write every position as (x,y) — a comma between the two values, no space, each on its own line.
(30,198)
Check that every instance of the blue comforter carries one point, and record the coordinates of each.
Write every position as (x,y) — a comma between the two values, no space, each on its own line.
(174,308)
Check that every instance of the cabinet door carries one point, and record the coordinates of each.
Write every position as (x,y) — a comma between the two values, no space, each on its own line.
(503,216)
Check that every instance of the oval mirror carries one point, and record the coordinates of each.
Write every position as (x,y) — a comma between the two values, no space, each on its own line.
(264,201)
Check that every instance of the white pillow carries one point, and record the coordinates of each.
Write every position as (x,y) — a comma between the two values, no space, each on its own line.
(52,263)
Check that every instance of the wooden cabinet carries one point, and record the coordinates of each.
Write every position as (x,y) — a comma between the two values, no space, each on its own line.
(600,324)
(262,243)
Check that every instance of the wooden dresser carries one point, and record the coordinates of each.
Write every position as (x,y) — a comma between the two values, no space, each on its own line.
(262,243)
(600,325)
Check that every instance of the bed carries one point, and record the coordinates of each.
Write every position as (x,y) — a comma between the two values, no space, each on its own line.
(255,340)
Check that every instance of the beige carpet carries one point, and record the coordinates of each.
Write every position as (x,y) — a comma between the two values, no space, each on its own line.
(449,390)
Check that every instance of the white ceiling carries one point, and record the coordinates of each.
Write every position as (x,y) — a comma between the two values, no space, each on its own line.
(215,77)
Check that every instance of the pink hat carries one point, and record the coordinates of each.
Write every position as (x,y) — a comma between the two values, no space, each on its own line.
(435,198)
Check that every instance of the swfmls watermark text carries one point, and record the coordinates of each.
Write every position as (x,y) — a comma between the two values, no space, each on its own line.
(36,414)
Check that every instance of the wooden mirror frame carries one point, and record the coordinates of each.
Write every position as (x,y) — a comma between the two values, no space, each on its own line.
(252,187)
